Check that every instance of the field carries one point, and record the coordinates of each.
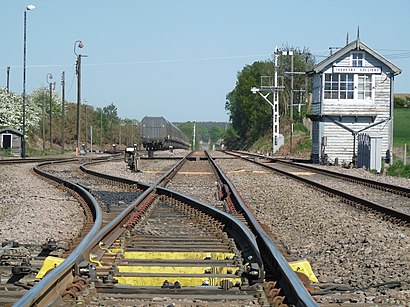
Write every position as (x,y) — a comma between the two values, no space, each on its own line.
(401,128)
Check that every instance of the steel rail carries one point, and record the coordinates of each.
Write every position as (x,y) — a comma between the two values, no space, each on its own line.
(51,159)
(234,225)
(278,267)
(33,160)
(364,181)
(46,285)
(236,228)
(369,204)
(147,188)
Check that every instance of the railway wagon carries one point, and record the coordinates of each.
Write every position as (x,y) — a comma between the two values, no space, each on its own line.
(159,134)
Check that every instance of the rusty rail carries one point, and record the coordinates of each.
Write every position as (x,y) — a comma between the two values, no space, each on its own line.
(275,264)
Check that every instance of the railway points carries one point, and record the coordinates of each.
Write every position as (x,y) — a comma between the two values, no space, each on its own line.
(214,192)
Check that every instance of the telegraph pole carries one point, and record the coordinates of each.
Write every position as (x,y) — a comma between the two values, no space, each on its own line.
(78,72)
(8,79)
(193,138)
(91,139)
(62,109)
(50,85)
(85,124)
(101,129)
(78,101)
(43,120)
(291,99)
(292,91)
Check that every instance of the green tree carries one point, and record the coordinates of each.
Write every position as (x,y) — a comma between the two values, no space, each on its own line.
(401,102)
(250,115)
(303,61)
(11,110)
(110,115)
(232,139)
(188,129)
(216,133)
(41,98)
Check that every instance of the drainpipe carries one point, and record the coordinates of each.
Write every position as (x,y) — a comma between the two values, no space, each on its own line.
(391,119)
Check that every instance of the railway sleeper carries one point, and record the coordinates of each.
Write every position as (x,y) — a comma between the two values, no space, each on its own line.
(175,259)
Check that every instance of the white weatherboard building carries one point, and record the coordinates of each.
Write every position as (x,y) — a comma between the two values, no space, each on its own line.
(352,94)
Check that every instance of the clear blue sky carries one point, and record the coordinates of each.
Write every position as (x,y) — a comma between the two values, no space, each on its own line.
(180,58)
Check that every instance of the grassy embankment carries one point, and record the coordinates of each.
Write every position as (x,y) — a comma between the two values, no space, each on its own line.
(401,133)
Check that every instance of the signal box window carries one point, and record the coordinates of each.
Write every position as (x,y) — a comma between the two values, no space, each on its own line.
(357,59)
(339,86)
(364,87)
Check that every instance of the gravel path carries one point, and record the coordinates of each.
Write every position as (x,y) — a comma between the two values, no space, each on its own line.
(32,210)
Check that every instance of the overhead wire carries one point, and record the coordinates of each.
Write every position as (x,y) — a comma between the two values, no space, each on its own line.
(402,54)
(149,61)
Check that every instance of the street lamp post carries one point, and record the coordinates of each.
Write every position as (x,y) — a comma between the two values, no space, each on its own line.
(78,44)
(50,87)
(23,140)
(8,79)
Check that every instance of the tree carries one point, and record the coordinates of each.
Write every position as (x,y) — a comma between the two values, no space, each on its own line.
(303,61)
(401,102)
(250,115)
(11,111)
(41,97)
(111,116)
(216,133)
(232,139)
(188,129)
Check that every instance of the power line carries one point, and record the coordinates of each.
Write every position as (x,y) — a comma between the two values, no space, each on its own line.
(402,54)
(152,61)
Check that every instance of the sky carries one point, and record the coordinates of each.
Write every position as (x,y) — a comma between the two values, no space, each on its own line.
(179,59)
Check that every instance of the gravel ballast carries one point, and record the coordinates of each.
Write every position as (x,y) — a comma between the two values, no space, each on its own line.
(33,211)
(347,247)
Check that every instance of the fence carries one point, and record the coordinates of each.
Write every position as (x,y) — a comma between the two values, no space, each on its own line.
(402,154)
(369,152)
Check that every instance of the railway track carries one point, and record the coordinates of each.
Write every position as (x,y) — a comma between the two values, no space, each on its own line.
(223,256)
(55,158)
(357,255)
(20,262)
(391,201)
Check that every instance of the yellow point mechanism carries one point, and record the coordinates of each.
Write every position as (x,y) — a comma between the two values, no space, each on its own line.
(49,263)
(303,266)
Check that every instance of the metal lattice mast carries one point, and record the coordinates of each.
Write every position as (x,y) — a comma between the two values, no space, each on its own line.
(274,88)
(275,115)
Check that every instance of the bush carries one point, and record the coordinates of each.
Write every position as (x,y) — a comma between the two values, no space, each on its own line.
(262,145)
(304,145)
(6,152)
(398,169)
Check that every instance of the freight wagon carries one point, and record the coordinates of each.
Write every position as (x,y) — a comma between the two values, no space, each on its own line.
(159,134)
